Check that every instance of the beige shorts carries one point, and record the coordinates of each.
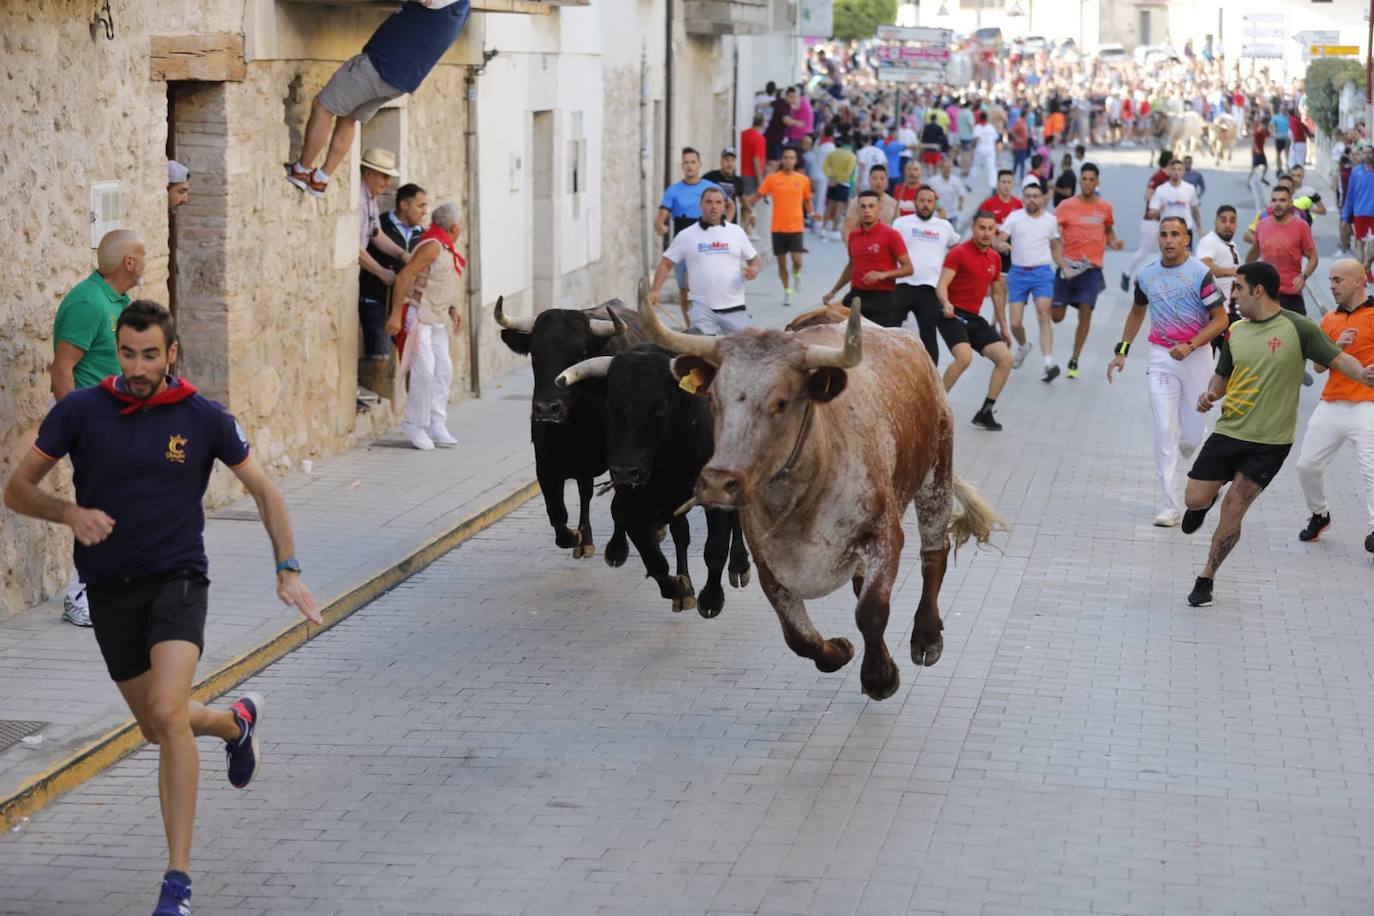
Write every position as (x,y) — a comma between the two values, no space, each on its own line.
(357,90)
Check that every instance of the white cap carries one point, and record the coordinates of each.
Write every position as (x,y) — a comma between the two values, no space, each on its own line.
(1028,181)
(177,173)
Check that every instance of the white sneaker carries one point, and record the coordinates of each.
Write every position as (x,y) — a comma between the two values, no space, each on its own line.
(787,296)
(1021,353)
(441,436)
(77,611)
(796,282)
(1168,517)
(418,437)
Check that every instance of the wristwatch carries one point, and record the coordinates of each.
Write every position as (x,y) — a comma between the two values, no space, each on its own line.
(290,564)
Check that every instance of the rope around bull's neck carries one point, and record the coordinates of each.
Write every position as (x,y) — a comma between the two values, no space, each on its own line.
(801,438)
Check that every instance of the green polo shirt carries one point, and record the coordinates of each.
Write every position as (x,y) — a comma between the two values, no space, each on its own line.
(86,320)
(1262,362)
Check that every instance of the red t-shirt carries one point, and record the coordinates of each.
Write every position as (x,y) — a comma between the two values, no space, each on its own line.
(1257,136)
(906,198)
(751,145)
(1158,178)
(974,271)
(1297,129)
(874,249)
(1000,208)
(1283,245)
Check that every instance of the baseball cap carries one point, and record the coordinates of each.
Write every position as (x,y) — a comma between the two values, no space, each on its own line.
(177,173)
(728,151)
(1028,181)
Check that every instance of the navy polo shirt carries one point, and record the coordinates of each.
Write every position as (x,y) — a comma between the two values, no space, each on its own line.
(148,471)
(410,41)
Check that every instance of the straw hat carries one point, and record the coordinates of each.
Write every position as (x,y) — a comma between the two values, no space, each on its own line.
(380,160)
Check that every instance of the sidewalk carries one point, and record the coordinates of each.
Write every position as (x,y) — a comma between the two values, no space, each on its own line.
(363,521)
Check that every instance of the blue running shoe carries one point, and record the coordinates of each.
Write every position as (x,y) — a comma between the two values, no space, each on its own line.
(243,753)
(176,895)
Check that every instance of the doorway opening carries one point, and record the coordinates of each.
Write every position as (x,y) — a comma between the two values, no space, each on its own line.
(545,216)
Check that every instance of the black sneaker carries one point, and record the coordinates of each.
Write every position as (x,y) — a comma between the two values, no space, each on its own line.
(1201,595)
(1369,542)
(1125,283)
(1051,374)
(243,753)
(984,419)
(1315,526)
(1192,518)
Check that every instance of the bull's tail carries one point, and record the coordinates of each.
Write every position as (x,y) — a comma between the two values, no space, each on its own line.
(975,519)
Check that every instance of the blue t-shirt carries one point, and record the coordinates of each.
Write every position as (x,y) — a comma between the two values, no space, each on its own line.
(1278,124)
(683,201)
(894,150)
(410,41)
(148,471)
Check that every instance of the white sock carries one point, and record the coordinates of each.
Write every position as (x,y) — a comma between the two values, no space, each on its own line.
(321,176)
(1049,360)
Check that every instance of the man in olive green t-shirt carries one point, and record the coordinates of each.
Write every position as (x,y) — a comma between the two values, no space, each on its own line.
(84,345)
(1260,373)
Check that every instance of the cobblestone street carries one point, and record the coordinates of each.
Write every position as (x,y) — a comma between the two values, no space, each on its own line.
(515,732)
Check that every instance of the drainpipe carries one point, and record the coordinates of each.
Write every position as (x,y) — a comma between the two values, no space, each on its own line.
(667,93)
(646,234)
(474,271)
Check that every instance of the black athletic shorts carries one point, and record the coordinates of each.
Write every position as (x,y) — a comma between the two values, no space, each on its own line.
(1222,457)
(784,242)
(838,192)
(1006,262)
(1258,159)
(1294,302)
(130,616)
(879,306)
(973,330)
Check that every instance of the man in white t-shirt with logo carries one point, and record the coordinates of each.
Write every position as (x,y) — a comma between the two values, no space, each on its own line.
(928,239)
(719,258)
(1036,255)
(1176,197)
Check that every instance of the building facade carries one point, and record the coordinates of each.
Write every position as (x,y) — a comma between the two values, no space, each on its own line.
(549,124)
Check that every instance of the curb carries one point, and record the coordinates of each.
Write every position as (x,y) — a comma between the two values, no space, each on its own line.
(106,750)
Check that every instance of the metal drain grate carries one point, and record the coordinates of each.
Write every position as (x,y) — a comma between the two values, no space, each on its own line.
(12,730)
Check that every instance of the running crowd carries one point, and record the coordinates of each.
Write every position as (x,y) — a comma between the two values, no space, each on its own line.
(893,177)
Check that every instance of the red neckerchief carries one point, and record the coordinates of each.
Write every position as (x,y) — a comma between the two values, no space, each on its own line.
(176,390)
(440,234)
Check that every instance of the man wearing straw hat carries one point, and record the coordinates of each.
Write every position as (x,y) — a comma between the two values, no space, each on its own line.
(378,169)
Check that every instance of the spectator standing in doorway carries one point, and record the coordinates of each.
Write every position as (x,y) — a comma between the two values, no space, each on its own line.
(178,185)
(395,61)
(403,225)
(378,168)
(84,352)
(431,283)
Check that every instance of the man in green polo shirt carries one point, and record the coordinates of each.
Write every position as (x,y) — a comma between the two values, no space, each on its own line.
(1259,371)
(84,345)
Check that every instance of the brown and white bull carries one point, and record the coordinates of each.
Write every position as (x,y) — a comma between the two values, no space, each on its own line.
(823,437)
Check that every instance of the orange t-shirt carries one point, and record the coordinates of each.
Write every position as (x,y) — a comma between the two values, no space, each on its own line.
(1338,387)
(787,193)
(1083,227)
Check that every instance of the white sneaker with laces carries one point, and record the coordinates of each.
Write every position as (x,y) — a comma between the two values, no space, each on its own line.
(76,609)
(441,436)
(417,437)
(1168,517)
(1021,353)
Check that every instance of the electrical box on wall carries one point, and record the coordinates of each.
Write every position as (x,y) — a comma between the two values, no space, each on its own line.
(517,168)
(105,209)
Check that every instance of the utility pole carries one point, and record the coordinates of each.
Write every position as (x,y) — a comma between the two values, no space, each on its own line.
(1369,72)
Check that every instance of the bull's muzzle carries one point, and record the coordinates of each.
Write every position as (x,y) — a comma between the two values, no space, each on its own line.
(629,475)
(721,488)
(555,411)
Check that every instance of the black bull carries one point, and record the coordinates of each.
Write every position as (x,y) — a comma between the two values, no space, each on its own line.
(568,427)
(660,438)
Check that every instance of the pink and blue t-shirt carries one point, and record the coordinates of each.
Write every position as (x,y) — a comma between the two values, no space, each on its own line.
(1180,299)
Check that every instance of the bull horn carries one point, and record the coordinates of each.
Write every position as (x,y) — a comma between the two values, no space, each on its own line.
(846,357)
(523,325)
(596,367)
(699,345)
(604,328)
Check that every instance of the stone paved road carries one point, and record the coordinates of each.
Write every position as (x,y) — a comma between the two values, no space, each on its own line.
(512,732)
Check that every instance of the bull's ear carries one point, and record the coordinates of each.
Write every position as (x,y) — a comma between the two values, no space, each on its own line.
(518,341)
(693,373)
(824,384)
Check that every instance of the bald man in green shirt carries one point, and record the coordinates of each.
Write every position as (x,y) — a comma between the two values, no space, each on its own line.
(84,345)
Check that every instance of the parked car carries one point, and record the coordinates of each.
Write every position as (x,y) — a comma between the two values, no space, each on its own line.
(1111,53)
(989,39)
(1035,44)
(1146,55)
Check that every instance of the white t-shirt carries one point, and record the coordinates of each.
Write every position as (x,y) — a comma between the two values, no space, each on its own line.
(1175,201)
(1214,249)
(868,157)
(1030,237)
(949,191)
(985,138)
(927,241)
(907,137)
(715,258)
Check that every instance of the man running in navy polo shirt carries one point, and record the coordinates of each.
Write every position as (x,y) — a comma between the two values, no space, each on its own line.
(877,257)
(142,446)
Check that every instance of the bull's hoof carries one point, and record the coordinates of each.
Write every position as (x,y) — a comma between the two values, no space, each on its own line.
(926,652)
(566,537)
(885,688)
(839,646)
(617,551)
(739,579)
(685,603)
(711,601)
(584,550)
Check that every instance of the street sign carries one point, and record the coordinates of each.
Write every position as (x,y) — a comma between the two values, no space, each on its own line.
(1335,50)
(1268,51)
(1317,37)
(914,33)
(1016,9)
(905,75)
(1264,29)
(907,56)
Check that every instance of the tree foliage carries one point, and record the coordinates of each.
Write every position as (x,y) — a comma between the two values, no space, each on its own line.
(859,19)
(1326,77)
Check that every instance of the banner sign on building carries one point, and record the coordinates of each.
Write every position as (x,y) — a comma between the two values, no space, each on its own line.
(817,18)
(914,33)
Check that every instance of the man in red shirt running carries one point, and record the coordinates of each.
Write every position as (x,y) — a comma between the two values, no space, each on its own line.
(877,257)
(1001,205)
(752,150)
(970,270)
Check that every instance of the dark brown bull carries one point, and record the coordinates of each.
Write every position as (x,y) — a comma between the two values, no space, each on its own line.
(823,437)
